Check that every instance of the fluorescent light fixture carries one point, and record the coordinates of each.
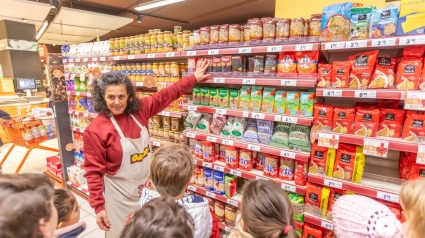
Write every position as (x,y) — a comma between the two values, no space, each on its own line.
(42,30)
(155,4)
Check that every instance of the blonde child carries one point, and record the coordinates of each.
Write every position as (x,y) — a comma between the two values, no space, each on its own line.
(265,212)
(412,200)
(68,215)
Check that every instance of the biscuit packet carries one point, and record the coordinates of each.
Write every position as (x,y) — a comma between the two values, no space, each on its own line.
(349,163)
(256,98)
(271,168)
(286,168)
(268,99)
(322,160)
(341,73)
(361,71)
(238,128)
(325,75)
(245,159)
(232,156)
(408,74)
(299,138)
(214,97)
(251,133)
(307,100)
(205,96)
(224,97)
(265,131)
(301,170)
(343,120)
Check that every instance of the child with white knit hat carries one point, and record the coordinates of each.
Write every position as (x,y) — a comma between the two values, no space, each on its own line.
(357,216)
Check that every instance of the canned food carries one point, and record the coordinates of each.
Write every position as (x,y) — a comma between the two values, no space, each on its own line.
(174,69)
(157,122)
(175,124)
(166,122)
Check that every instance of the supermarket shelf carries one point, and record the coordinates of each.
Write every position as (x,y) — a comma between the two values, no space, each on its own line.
(223,227)
(170,114)
(232,201)
(161,84)
(251,175)
(86,59)
(256,115)
(83,114)
(318,221)
(382,43)
(73,93)
(357,93)
(158,143)
(277,81)
(153,56)
(250,146)
(361,188)
(80,190)
(77,129)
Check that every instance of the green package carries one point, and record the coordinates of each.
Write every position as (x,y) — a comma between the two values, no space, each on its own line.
(234,98)
(205,96)
(224,97)
(245,97)
(280,136)
(280,102)
(197,96)
(268,100)
(299,138)
(256,98)
(292,103)
(214,99)
(307,100)
(297,202)
(230,185)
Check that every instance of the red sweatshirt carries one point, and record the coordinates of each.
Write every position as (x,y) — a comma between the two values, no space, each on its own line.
(102,148)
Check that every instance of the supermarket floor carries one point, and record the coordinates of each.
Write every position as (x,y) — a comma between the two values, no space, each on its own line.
(36,163)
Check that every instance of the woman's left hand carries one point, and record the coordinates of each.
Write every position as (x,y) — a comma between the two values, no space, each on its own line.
(201,67)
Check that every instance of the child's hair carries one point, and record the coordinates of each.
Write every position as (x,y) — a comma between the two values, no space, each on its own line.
(412,200)
(266,211)
(65,203)
(171,169)
(161,217)
(25,200)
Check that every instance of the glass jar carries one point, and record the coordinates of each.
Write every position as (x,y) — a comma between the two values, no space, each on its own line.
(168,41)
(117,44)
(149,69)
(161,69)
(282,28)
(214,34)
(178,29)
(114,67)
(174,69)
(127,45)
(160,42)
(122,43)
(223,35)
(167,68)
(131,45)
(182,69)
(197,37)
(154,42)
(142,43)
(144,67)
(157,30)
(185,36)
(297,28)
(191,40)
(147,44)
(205,35)
(179,40)
(155,68)
(112,44)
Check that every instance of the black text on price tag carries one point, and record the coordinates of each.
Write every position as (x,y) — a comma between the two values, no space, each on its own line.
(192,108)
(332,183)
(170,54)
(334,45)
(219,168)
(117,58)
(165,113)
(383,42)
(227,142)
(191,53)
(292,120)
(356,44)
(248,81)
(388,196)
(301,47)
(131,57)
(332,93)
(245,50)
(254,147)
(259,116)
(274,49)
(287,154)
(221,111)
(219,80)
(235,172)
(191,135)
(157,143)
(211,139)
(210,194)
(94,59)
(365,94)
(208,165)
(412,40)
(327,225)
(151,56)
(289,188)
(104,58)
(213,52)
(139,84)
(287,82)
(232,202)
(191,188)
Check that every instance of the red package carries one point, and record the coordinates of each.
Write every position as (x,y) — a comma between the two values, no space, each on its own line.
(325,75)
(361,71)
(311,231)
(383,76)
(414,128)
(260,161)
(286,63)
(335,194)
(417,171)
(245,159)
(367,115)
(208,149)
(392,116)
(388,103)
(340,73)
(286,168)
(323,111)
(343,120)
(307,61)
(389,130)
(300,176)
(232,156)
(324,125)
(413,51)
(365,105)
(349,163)
(366,122)
(319,159)
(271,168)
(408,74)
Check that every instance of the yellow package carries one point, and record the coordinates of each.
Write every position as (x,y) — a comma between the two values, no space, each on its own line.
(322,160)
(349,163)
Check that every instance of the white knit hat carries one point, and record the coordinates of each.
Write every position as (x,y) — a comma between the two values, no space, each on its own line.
(357,216)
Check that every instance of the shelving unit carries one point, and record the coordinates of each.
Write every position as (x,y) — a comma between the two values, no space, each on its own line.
(357,93)
(304,82)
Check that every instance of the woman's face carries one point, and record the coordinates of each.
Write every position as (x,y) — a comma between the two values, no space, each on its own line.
(116,97)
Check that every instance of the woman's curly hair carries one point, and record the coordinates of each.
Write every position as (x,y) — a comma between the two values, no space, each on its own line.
(113,78)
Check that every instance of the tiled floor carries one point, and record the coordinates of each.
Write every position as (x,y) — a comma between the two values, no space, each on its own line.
(36,163)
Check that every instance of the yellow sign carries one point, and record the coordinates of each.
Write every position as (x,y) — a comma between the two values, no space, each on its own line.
(135,158)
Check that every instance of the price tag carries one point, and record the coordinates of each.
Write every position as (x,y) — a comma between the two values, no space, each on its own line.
(235,172)
(77,93)
(334,45)
(383,42)
(414,100)
(287,82)
(260,178)
(208,165)
(80,188)
(210,194)
(103,58)
(211,139)
(191,135)
(287,154)
(71,61)
(191,188)
(260,116)
(88,94)
(277,118)
(221,111)
(356,44)
(156,143)
(165,113)
(219,80)
(365,94)
(254,147)
(219,168)
(274,49)
(69,182)
(131,57)
(328,140)
(292,120)
(227,142)
(232,202)
(420,158)
(170,54)
(191,53)
(327,225)
(332,93)
(139,84)
(388,196)
(81,130)
(377,148)
(86,60)
(94,59)
(228,229)
(288,187)
(412,40)
(304,47)
(117,58)
(245,114)
(333,184)
(213,52)
(245,50)
(192,108)
(86,114)
(151,56)
(78,60)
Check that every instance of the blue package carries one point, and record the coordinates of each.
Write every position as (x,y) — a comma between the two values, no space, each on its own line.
(383,22)
(336,22)
(90,106)
(209,179)
(219,182)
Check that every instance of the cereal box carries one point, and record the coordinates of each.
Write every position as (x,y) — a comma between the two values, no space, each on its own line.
(280,102)
(245,97)
(268,99)
(307,100)
(224,97)
(292,103)
(256,98)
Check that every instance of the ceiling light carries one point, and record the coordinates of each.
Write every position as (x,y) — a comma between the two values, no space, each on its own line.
(139,19)
(53,3)
(24,20)
(155,4)
(42,30)
(54,44)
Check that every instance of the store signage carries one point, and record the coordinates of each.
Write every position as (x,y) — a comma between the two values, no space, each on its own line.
(327,225)
(328,140)
(415,101)
(378,148)
(248,81)
(412,40)
(227,142)
(275,49)
(287,82)
(293,120)
(131,57)
(259,116)
(245,50)
(219,168)
(383,42)
(219,80)
(302,47)
(356,44)
(254,147)
(191,53)
(332,183)
(221,111)
(235,172)
(334,45)
(388,196)
(213,52)
(288,187)
(211,139)
(287,154)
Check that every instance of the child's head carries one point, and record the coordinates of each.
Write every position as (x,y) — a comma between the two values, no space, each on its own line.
(171,169)
(26,205)
(360,216)
(67,206)
(412,200)
(266,211)
(161,217)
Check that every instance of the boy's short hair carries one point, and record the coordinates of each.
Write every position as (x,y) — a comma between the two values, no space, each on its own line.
(171,169)
(161,217)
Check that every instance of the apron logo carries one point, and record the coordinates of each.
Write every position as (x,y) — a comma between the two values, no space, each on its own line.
(135,158)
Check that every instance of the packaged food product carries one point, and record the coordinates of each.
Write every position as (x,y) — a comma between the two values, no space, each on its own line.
(214,34)
(259,64)
(226,62)
(234,33)
(230,215)
(325,75)
(268,99)
(234,98)
(208,151)
(245,97)
(307,61)
(286,168)
(414,129)
(199,153)
(299,138)
(205,35)
(336,22)
(280,135)
(322,160)
(300,176)
(306,27)
(222,154)
(297,28)
(311,231)
(209,179)
(417,171)
(227,129)
(192,144)
(255,29)
(361,70)
(366,122)
(218,123)
(260,161)
(214,97)
(224,33)
(282,28)
(224,97)
(217,65)
(238,127)
(415,51)
(383,76)
(292,103)
(196,96)
(245,159)
(335,194)
(230,185)
(219,182)
(232,157)
(340,73)
(323,111)
(307,100)
(251,132)
(390,116)
(199,176)
(286,63)
(256,98)
(269,30)
(270,67)
(265,131)
(192,119)
(316,199)
(390,130)
(408,74)
(205,96)
(297,201)
(280,102)
(271,168)
(315,24)
(383,22)
(349,163)
(219,210)
(388,103)
(246,32)
(343,120)
(360,22)
(238,65)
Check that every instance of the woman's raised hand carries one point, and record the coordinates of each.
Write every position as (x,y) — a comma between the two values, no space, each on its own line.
(201,67)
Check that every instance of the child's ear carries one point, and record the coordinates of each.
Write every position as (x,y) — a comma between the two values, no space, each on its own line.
(43,228)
